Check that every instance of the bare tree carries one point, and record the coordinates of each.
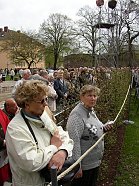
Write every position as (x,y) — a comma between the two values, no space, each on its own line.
(56,34)
(23,47)
(86,30)
(132,22)
(124,33)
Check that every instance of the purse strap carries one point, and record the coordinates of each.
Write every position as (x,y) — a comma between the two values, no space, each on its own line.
(29,127)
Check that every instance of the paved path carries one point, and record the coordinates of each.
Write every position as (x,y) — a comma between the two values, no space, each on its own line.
(6,91)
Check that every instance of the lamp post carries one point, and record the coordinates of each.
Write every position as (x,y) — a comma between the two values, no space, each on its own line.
(112,5)
(99,3)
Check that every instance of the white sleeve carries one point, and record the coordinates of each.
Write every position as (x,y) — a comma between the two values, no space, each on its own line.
(23,151)
(67,142)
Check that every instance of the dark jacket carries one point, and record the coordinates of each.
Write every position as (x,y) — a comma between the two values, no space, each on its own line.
(60,88)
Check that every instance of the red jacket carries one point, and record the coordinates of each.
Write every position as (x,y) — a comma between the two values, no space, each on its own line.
(5,170)
(4,120)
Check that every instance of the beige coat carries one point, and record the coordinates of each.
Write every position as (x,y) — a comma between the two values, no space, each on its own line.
(52,96)
(26,160)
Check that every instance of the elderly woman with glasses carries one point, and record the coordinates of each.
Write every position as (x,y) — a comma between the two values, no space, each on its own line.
(30,150)
(87,130)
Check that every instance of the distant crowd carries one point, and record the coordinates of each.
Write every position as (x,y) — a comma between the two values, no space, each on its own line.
(64,84)
(5,72)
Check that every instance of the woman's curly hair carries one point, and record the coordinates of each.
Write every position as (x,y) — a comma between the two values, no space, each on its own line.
(89,88)
(28,91)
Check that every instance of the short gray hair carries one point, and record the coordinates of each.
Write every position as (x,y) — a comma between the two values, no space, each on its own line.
(89,88)
(43,73)
(26,71)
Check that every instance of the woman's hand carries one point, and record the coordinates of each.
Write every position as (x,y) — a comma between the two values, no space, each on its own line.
(56,140)
(58,159)
(108,126)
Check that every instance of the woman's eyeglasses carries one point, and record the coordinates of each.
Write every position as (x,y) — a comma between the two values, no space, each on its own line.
(44,100)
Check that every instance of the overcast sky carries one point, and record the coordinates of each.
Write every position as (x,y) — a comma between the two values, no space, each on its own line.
(29,14)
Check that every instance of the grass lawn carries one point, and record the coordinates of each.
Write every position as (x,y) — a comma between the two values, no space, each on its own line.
(128,169)
(8,78)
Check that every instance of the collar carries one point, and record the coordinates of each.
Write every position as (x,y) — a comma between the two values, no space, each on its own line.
(90,111)
(31,117)
(44,120)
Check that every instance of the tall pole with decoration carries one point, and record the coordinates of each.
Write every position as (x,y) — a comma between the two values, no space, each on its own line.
(112,5)
(99,3)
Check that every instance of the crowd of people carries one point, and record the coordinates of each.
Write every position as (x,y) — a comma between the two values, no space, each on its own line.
(64,84)
(5,72)
(35,98)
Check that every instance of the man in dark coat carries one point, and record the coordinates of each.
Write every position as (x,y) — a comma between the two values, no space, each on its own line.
(60,86)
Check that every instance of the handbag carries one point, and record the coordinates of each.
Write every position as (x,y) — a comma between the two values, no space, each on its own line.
(45,172)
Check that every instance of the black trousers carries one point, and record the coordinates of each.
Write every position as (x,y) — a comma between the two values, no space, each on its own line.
(89,178)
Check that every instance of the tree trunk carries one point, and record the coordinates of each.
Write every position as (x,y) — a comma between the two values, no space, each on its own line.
(55,59)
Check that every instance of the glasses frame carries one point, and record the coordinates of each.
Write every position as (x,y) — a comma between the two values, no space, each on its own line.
(44,100)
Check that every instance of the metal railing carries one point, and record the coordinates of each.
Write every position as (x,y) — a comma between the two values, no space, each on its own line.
(63,114)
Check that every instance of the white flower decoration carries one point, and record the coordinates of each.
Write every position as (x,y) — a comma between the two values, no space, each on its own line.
(93,129)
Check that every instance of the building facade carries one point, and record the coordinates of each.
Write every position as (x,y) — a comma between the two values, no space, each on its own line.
(6,61)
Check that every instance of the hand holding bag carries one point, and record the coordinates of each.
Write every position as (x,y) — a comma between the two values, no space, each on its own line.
(45,172)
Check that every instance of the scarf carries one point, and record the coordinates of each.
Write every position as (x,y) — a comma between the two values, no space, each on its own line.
(44,119)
